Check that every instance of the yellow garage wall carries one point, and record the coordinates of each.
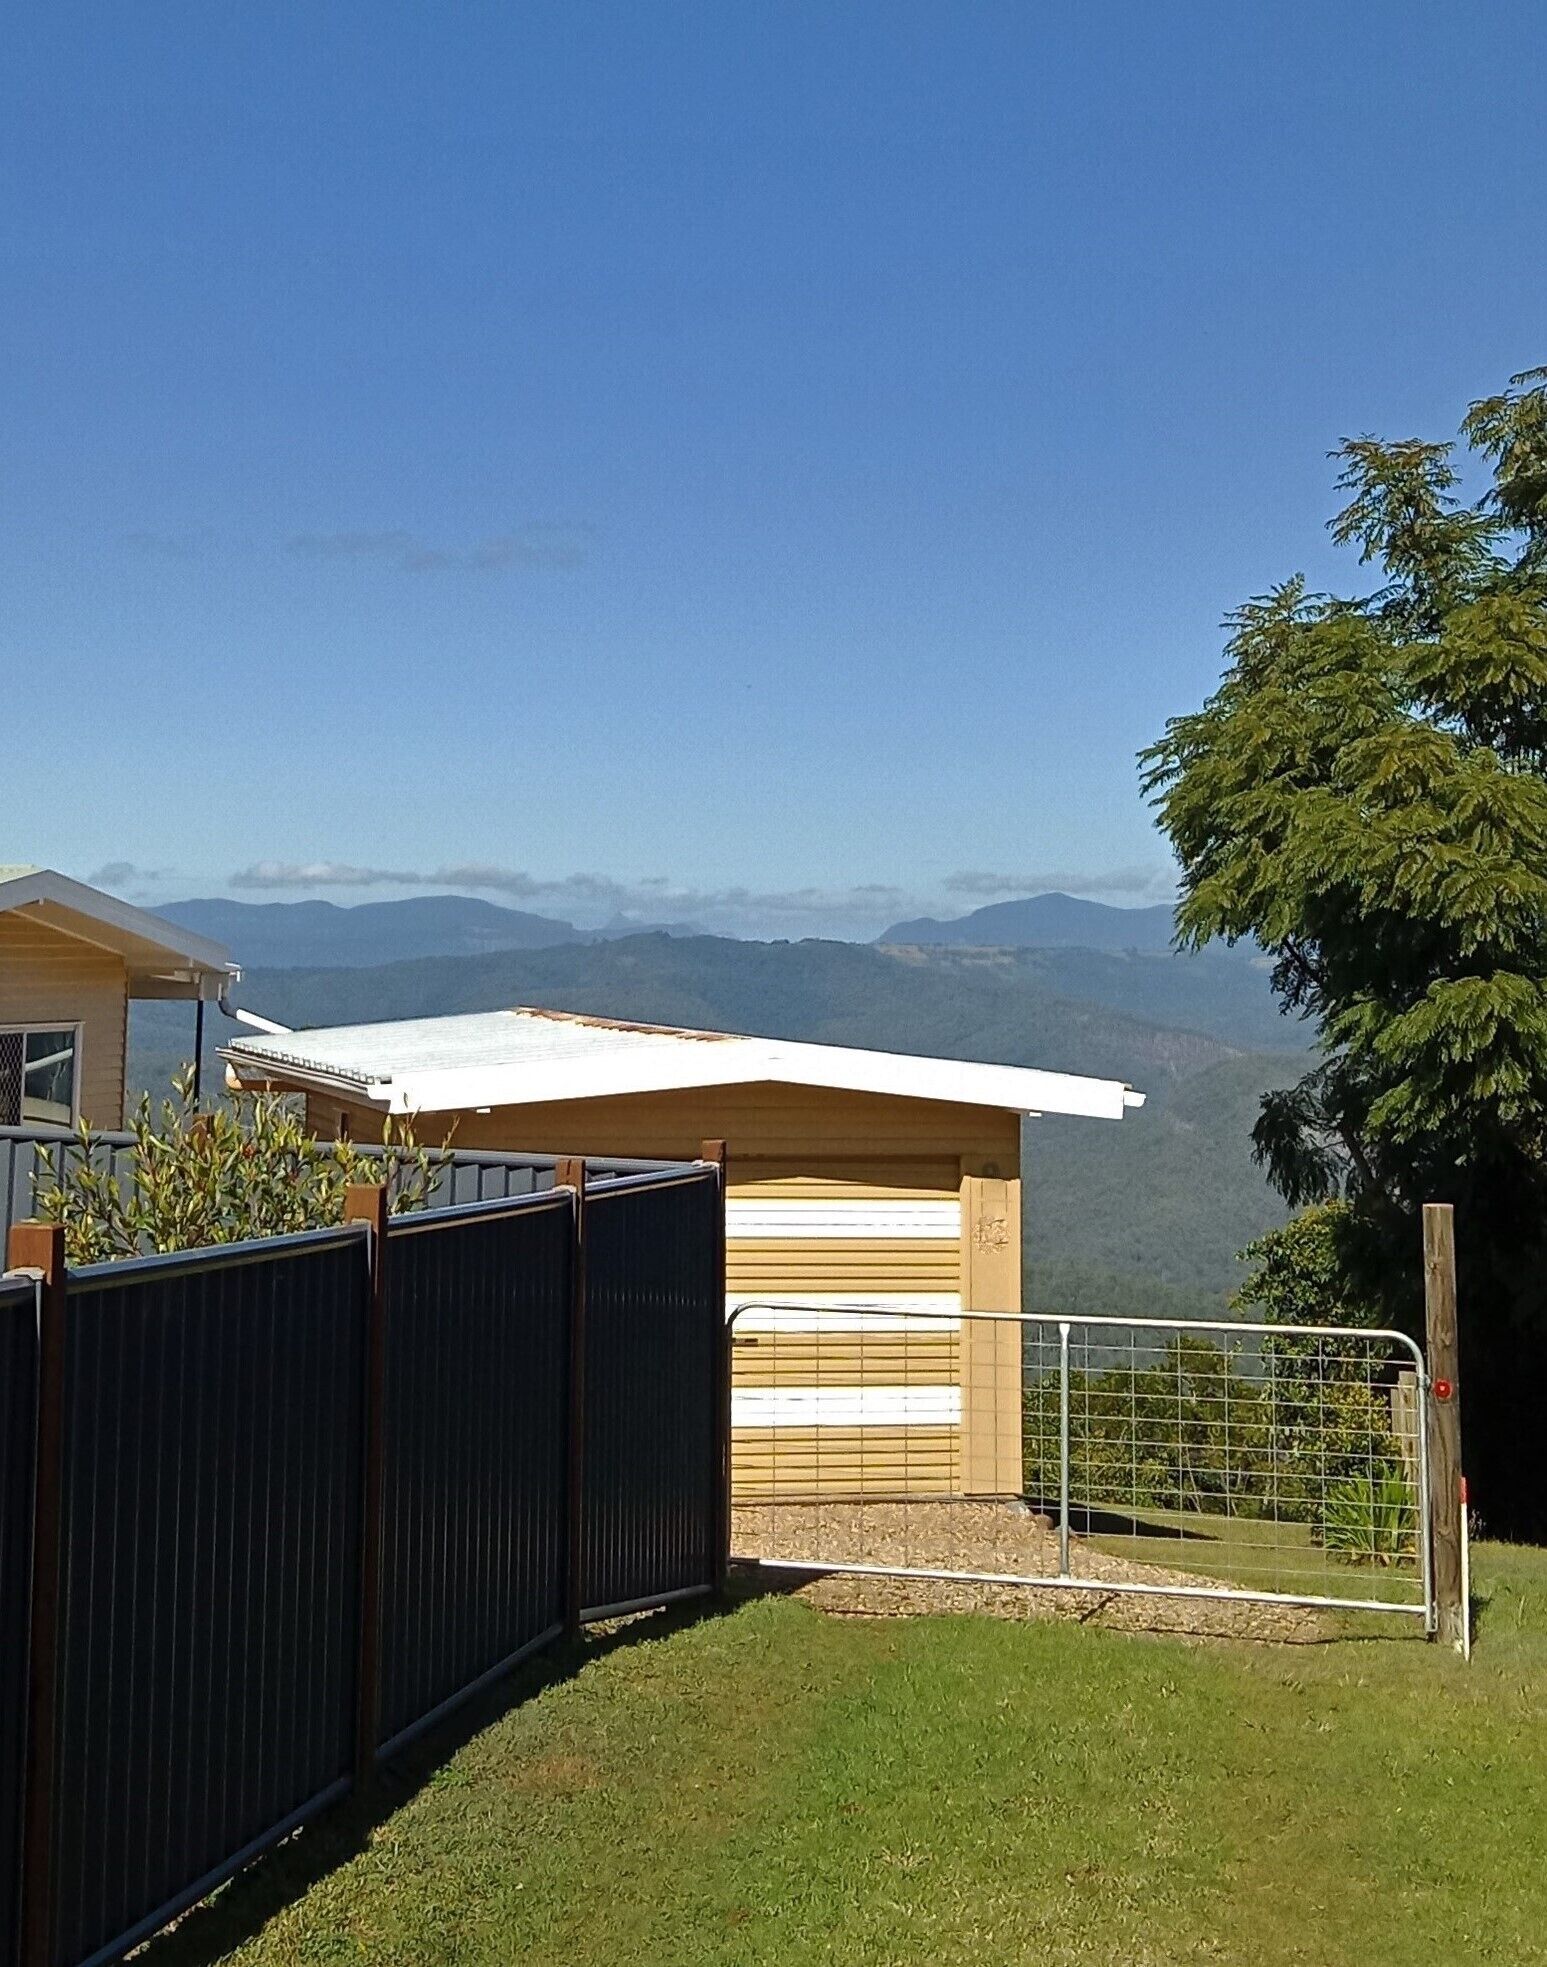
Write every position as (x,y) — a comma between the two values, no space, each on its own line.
(51,979)
(848,1266)
(818,1145)
(774,1132)
(853,1358)
(991,1352)
(794,1464)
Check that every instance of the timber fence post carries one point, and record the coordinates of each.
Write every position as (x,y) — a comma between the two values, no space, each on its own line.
(1444,1422)
(714,1153)
(570,1173)
(368,1203)
(39,1247)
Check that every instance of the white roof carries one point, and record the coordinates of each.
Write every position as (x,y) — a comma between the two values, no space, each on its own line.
(162,959)
(524,1057)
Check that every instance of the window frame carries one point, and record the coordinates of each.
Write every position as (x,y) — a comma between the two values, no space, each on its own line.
(77,1030)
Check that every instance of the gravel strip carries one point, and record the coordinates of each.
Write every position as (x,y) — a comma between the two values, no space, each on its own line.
(987,1536)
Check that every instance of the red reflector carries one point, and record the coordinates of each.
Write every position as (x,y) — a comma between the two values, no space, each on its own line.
(1443,1389)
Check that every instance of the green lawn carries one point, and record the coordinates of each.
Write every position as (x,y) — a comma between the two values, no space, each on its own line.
(1258,1553)
(775,1786)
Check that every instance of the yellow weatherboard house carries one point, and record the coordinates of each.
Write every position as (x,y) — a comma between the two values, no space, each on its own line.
(856,1179)
(71,960)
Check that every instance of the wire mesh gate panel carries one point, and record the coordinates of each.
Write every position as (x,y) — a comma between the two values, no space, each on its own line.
(1214,1459)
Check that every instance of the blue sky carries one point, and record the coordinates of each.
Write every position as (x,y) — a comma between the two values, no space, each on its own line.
(771,465)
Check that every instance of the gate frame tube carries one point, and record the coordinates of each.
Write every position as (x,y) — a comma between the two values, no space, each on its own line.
(1397,1340)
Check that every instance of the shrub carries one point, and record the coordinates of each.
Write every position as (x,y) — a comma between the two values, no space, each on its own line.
(247,1168)
(1371,1518)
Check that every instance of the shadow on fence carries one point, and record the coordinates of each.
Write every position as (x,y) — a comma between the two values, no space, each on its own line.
(269,1513)
(216,1927)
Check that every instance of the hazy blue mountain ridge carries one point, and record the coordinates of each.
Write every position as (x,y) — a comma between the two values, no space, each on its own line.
(1164,1198)
(1050,921)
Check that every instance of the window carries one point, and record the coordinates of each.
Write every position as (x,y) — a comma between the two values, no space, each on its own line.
(37,1078)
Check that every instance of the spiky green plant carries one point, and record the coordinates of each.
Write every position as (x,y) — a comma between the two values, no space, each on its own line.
(1371,1517)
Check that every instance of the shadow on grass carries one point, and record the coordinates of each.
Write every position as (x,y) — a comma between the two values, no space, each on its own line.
(237,1911)
(1130,1615)
(1087,1521)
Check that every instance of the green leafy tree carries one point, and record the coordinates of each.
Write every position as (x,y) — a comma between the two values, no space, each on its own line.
(246,1168)
(1366,796)
(1329,1399)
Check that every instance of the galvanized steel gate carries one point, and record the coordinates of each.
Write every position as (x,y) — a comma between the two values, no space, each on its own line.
(1178,1458)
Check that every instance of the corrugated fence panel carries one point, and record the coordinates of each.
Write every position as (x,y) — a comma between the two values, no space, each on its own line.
(462,1175)
(655,1309)
(211,1496)
(474,1471)
(18,1408)
(20,1164)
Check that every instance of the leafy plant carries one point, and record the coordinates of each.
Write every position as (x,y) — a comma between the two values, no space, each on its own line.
(1365,798)
(1189,1431)
(1371,1518)
(246,1168)
(1330,1417)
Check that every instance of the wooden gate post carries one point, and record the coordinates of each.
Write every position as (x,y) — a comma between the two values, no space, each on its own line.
(570,1173)
(1444,1421)
(40,1247)
(714,1153)
(367,1202)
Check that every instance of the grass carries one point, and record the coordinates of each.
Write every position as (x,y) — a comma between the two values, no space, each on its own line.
(1256,1552)
(776,1786)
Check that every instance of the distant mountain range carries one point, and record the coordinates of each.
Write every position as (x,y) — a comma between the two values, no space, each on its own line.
(1148,1213)
(1044,922)
(322,935)
(1163,1200)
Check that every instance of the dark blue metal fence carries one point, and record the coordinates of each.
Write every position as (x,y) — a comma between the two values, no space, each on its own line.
(215,1675)
(210,1569)
(461,1174)
(477,1310)
(18,1412)
(654,1331)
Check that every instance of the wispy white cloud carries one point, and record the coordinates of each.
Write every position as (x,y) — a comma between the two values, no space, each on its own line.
(321,874)
(1153,882)
(537,544)
(125,878)
(859,909)
(856,910)
(168,546)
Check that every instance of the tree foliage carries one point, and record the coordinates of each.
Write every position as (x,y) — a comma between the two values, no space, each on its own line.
(1297,1274)
(1206,1427)
(1365,795)
(248,1168)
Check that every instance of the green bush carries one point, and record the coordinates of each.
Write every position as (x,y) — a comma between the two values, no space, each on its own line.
(247,1168)
(1207,1427)
(1371,1518)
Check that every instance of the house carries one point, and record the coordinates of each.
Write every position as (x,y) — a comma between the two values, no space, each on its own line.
(71,959)
(855,1178)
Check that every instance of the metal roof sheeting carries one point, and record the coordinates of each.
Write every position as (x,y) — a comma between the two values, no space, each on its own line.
(526,1057)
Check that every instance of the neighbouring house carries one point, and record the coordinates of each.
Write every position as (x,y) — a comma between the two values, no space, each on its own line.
(71,960)
(855,1179)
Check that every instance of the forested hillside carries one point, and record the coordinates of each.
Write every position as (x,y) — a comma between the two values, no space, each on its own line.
(1163,1199)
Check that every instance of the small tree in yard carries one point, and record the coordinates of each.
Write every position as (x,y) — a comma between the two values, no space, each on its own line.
(1329,1429)
(248,1168)
(1366,796)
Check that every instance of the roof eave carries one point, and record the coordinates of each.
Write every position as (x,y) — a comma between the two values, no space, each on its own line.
(46,889)
(1006,1089)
